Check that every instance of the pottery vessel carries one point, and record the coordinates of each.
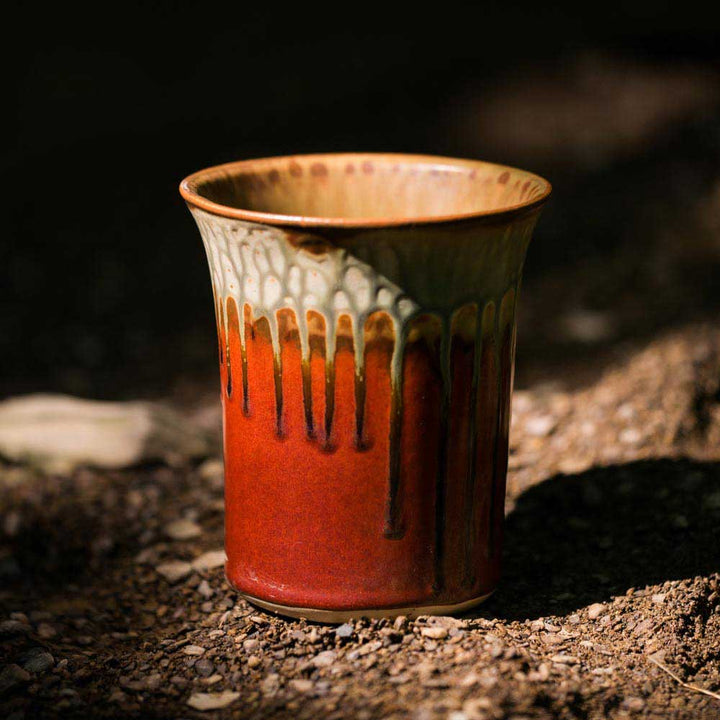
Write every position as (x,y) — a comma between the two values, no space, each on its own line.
(365,308)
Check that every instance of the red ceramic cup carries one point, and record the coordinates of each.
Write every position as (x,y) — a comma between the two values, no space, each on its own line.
(366,320)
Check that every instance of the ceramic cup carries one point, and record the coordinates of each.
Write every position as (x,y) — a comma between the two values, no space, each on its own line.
(365,307)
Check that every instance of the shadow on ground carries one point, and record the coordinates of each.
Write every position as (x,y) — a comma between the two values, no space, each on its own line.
(575,540)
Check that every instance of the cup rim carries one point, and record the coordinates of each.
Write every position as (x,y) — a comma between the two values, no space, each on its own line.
(189,185)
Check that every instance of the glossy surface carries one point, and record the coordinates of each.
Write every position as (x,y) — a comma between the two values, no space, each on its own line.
(366,376)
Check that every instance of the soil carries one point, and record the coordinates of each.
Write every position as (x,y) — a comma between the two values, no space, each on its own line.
(113,601)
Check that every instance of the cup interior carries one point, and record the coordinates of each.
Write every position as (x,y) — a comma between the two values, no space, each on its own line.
(363,188)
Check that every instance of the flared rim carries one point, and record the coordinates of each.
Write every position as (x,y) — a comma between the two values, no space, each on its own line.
(190,185)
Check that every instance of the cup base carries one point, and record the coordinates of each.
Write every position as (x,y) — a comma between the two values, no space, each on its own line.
(341,616)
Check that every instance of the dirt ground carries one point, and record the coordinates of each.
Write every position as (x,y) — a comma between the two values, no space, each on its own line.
(110,607)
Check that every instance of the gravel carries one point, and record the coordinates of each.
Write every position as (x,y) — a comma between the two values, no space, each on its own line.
(610,566)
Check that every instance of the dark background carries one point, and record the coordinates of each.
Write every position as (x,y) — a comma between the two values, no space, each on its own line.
(105,289)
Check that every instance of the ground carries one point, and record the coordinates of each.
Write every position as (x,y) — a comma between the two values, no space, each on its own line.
(113,601)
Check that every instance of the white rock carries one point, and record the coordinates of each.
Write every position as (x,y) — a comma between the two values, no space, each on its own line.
(193,650)
(175,570)
(212,701)
(183,529)
(324,659)
(540,426)
(596,610)
(209,560)
(58,433)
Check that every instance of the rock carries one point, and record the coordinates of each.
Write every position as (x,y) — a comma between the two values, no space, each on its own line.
(563,659)
(254,661)
(204,668)
(205,590)
(209,560)
(540,426)
(434,632)
(174,571)
(13,627)
(630,436)
(46,631)
(324,659)
(596,610)
(633,703)
(344,631)
(37,660)
(212,469)
(302,686)
(182,529)
(270,684)
(193,650)
(212,701)
(11,676)
(58,433)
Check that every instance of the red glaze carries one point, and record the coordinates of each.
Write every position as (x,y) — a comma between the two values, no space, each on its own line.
(307,515)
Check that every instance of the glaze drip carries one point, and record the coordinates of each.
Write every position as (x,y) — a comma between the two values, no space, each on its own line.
(263,275)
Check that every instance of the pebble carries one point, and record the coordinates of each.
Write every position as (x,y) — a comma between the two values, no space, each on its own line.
(205,590)
(209,560)
(212,701)
(254,661)
(174,571)
(204,667)
(301,686)
(270,684)
(344,631)
(193,650)
(46,631)
(183,529)
(596,610)
(630,436)
(13,627)
(212,469)
(37,660)
(563,659)
(324,659)
(434,632)
(11,676)
(540,426)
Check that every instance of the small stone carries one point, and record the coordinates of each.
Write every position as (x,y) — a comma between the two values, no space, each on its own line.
(270,684)
(596,610)
(212,680)
(174,571)
(563,659)
(344,631)
(193,650)
(212,701)
(13,627)
(254,661)
(633,703)
(400,622)
(11,676)
(183,529)
(630,436)
(301,686)
(434,632)
(46,631)
(204,667)
(212,469)
(658,598)
(540,426)
(37,660)
(209,560)
(324,659)
(205,590)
